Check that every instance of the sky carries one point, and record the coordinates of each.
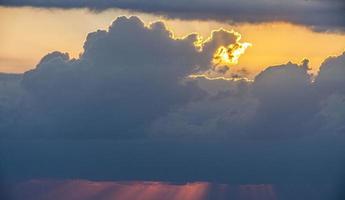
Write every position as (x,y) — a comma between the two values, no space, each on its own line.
(273,43)
(199,100)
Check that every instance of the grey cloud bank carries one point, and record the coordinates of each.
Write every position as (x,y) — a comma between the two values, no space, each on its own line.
(125,78)
(321,15)
(126,111)
(131,82)
(282,102)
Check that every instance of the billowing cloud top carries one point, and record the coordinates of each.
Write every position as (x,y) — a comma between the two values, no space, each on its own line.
(128,75)
(318,14)
(130,92)
(132,82)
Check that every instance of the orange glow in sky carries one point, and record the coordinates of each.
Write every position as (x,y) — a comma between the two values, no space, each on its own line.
(231,54)
(27,34)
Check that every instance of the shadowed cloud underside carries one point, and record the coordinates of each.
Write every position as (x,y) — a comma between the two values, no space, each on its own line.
(127,109)
(318,14)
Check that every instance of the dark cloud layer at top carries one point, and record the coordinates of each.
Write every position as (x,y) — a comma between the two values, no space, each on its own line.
(318,14)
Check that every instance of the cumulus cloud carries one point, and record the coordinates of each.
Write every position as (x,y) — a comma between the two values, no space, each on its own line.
(331,75)
(10,92)
(125,78)
(130,91)
(227,111)
(282,91)
(333,114)
(318,14)
(282,102)
(329,84)
(132,81)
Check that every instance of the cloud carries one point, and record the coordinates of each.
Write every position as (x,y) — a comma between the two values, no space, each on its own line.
(332,95)
(333,114)
(226,112)
(125,78)
(307,161)
(331,75)
(282,91)
(126,110)
(318,14)
(125,86)
(282,102)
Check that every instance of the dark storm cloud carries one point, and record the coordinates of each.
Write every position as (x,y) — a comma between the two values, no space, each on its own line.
(306,161)
(129,89)
(130,82)
(331,75)
(320,15)
(282,102)
(125,78)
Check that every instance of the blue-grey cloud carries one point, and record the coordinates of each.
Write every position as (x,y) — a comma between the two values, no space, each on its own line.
(130,82)
(128,91)
(282,102)
(307,161)
(317,14)
(125,78)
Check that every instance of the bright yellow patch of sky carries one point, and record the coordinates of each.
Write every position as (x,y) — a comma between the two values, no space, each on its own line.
(27,34)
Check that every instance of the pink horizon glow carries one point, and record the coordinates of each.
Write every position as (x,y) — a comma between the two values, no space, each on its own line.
(112,190)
